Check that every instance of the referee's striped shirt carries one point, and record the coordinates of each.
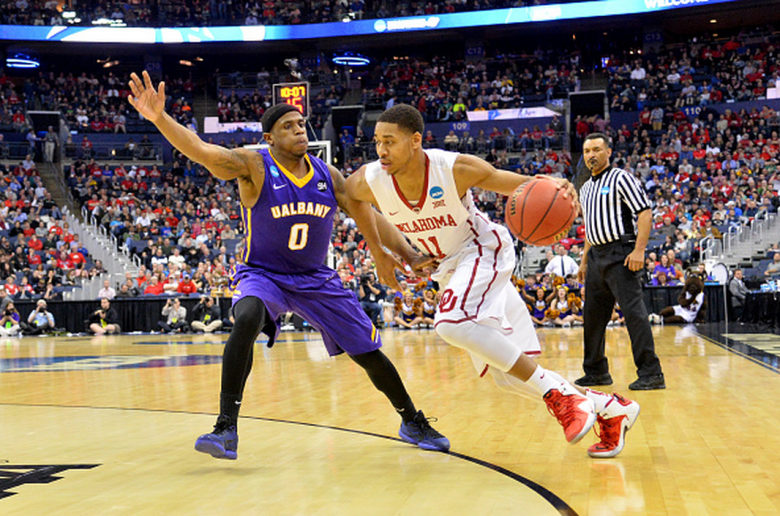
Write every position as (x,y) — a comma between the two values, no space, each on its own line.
(610,202)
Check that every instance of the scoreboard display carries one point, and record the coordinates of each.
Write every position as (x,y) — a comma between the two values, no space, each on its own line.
(293,93)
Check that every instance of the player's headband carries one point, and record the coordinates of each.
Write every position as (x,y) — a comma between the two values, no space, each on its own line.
(273,114)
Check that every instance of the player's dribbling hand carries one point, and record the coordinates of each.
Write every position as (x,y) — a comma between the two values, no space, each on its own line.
(563,184)
(145,99)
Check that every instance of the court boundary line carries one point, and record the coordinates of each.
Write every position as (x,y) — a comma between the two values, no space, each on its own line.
(731,349)
(554,500)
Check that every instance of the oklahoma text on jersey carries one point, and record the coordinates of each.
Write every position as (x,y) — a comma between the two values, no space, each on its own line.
(426,224)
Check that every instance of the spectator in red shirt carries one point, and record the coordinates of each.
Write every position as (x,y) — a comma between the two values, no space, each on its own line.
(154,288)
(35,243)
(33,259)
(56,229)
(63,262)
(186,285)
(76,257)
(86,147)
(11,287)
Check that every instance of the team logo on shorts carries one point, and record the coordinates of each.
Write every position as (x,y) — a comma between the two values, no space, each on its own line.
(274,171)
(436,192)
(322,186)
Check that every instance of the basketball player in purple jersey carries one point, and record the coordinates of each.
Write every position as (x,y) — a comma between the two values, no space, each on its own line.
(288,200)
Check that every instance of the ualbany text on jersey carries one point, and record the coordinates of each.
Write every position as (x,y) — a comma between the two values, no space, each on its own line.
(299,208)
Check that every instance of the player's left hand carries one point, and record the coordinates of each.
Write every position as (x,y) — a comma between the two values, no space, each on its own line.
(563,184)
(423,265)
(386,264)
(635,260)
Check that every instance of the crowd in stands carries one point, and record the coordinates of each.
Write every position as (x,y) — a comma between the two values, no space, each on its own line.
(710,172)
(699,72)
(444,89)
(707,174)
(90,103)
(180,221)
(188,13)
(249,107)
(39,254)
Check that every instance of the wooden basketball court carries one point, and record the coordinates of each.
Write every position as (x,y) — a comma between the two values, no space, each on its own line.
(106,425)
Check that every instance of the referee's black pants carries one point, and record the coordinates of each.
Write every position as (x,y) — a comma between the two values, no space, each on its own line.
(606,280)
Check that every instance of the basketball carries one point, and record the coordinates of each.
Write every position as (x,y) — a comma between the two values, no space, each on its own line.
(538,214)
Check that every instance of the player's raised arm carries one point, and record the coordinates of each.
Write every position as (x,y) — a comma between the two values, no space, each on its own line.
(472,171)
(221,162)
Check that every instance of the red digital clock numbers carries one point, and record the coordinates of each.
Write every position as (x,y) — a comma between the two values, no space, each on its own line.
(293,93)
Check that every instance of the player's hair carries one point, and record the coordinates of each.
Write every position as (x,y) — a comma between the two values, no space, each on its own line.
(600,136)
(404,116)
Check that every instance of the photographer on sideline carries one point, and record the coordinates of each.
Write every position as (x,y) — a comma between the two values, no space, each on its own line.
(371,293)
(9,324)
(176,317)
(207,316)
(104,320)
(40,320)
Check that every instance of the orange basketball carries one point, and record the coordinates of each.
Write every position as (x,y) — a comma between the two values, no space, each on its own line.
(538,214)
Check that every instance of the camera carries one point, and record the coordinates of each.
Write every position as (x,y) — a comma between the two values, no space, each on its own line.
(365,279)
(8,313)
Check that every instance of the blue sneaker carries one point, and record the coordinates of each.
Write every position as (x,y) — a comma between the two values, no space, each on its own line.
(420,432)
(222,443)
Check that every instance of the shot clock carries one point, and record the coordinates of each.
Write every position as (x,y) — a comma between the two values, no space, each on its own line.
(293,93)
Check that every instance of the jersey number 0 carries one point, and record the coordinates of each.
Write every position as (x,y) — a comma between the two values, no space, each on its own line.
(299,236)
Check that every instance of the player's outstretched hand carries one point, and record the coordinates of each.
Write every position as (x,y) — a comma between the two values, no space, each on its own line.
(145,99)
(386,264)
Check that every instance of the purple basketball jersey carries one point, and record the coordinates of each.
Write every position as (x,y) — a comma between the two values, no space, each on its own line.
(289,227)
(288,234)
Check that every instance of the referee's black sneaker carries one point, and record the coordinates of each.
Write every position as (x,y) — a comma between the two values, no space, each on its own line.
(589,380)
(648,383)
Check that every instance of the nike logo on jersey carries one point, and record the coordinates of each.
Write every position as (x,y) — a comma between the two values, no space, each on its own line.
(393,213)
(278,187)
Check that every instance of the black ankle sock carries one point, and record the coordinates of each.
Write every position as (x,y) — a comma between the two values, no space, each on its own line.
(229,405)
(407,411)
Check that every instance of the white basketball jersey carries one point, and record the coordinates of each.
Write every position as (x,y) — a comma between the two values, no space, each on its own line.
(440,223)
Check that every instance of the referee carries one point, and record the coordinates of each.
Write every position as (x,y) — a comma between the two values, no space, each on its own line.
(612,200)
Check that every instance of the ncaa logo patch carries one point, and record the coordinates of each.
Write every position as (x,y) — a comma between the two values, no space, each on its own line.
(605,190)
(322,186)
(274,171)
(436,192)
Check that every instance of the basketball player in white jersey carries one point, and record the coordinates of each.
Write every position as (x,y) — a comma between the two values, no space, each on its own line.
(426,194)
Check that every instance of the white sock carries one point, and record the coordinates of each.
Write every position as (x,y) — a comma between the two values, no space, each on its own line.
(543,380)
(599,399)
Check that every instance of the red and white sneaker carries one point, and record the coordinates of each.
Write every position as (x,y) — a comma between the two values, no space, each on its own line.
(617,419)
(573,411)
